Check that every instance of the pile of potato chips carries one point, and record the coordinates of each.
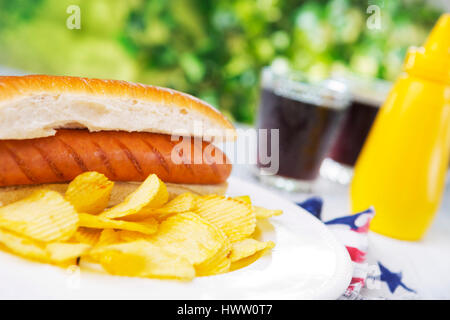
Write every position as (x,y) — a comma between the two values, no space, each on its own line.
(144,236)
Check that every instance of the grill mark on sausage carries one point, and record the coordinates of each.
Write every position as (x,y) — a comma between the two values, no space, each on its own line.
(49,161)
(215,169)
(2,179)
(212,163)
(130,157)
(189,167)
(184,162)
(159,156)
(104,158)
(21,164)
(76,157)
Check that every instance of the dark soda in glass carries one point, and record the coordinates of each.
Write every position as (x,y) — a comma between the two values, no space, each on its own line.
(367,96)
(354,132)
(308,117)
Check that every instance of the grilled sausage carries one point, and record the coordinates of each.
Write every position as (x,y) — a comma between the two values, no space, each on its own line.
(121,156)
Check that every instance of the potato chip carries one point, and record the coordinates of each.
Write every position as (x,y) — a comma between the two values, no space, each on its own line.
(23,246)
(55,252)
(144,236)
(149,226)
(89,192)
(60,251)
(143,259)
(87,236)
(217,264)
(239,264)
(128,236)
(108,236)
(152,193)
(234,217)
(149,223)
(248,247)
(44,216)
(244,199)
(262,226)
(190,236)
(263,213)
(182,203)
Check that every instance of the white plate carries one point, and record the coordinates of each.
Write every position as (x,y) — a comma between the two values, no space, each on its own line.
(307,263)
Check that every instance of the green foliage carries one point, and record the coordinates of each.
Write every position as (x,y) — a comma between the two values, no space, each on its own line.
(212,49)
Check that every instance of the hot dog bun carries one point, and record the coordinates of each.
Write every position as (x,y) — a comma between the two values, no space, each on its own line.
(119,192)
(34,106)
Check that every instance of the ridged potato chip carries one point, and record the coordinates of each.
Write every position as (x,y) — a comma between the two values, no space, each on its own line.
(217,264)
(54,252)
(148,226)
(239,264)
(152,193)
(144,236)
(128,236)
(86,236)
(108,236)
(234,217)
(89,192)
(44,216)
(143,259)
(60,251)
(263,213)
(247,247)
(182,203)
(190,236)
(22,246)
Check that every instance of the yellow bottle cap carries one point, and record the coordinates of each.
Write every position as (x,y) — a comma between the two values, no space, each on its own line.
(438,41)
(432,61)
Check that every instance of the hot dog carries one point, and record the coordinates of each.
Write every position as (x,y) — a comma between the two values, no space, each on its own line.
(53,128)
(121,156)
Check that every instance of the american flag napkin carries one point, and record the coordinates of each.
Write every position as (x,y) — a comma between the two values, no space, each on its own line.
(371,279)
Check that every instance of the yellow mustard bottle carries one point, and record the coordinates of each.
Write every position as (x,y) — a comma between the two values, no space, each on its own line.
(402,167)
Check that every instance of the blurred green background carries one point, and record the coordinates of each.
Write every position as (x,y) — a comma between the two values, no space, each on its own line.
(211,49)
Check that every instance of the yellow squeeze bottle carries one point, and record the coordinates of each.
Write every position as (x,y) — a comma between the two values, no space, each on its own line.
(402,167)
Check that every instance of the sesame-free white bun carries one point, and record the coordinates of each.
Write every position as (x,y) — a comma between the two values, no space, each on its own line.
(34,106)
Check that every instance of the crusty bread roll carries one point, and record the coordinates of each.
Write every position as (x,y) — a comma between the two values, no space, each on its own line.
(118,194)
(34,106)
